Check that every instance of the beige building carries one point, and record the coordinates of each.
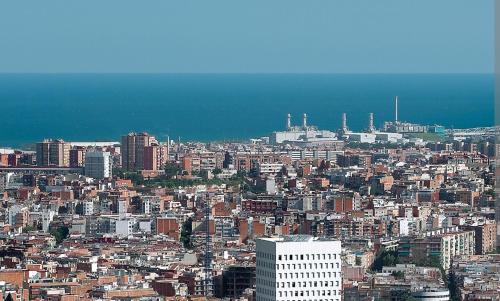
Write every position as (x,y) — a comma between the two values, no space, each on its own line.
(444,244)
(52,153)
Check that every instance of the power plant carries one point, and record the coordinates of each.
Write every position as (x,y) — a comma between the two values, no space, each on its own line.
(310,135)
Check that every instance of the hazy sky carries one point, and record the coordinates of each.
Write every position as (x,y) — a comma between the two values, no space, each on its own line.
(353,36)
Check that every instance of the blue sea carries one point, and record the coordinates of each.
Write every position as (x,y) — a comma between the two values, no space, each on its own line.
(93,107)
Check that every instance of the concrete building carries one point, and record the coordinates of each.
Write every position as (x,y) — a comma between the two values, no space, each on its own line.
(52,153)
(155,157)
(88,207)
(125,227)
(362,137)
(443,244)
(77,157)
(132,150)
(497,189)
(236,279)
(98,165)
(485,237)
(298,267)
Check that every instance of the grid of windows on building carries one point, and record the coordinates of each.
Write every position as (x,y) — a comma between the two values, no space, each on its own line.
(299,268)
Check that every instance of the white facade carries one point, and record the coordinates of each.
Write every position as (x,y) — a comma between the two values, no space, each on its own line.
(270,168)
(271,185)
(432,295)
(47,218)
(124,228)
(88,207)
(298,267)
(362,137)
(98,165)
(389,137)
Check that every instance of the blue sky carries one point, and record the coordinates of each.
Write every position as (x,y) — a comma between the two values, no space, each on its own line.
(279,36)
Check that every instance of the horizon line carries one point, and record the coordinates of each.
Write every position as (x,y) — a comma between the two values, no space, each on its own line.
(243,73)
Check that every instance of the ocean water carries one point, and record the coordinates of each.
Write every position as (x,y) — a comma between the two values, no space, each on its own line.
(89,107)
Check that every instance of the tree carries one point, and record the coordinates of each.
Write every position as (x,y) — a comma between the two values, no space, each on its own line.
(186,232)
(453,286)
(398,274)
(384,258)
(254,173)
(60,233)
(62,210)
(172,169)
(28,229)
(135,177)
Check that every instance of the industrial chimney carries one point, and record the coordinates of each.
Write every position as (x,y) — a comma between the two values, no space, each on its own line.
(344,128)
(288,121)
(371,127)
(396,109)
(304,121)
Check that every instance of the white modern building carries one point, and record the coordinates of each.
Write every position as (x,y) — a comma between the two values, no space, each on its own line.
(98,165)
(125,227)
(298,267)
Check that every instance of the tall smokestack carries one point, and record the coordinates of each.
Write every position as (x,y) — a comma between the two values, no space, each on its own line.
(288,121)
(344,121)
(371,128)
(396,109)
(304,121)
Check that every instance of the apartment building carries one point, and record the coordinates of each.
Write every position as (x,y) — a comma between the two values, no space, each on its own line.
(298,267)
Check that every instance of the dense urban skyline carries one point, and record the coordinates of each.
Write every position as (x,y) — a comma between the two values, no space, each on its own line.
(330,150)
